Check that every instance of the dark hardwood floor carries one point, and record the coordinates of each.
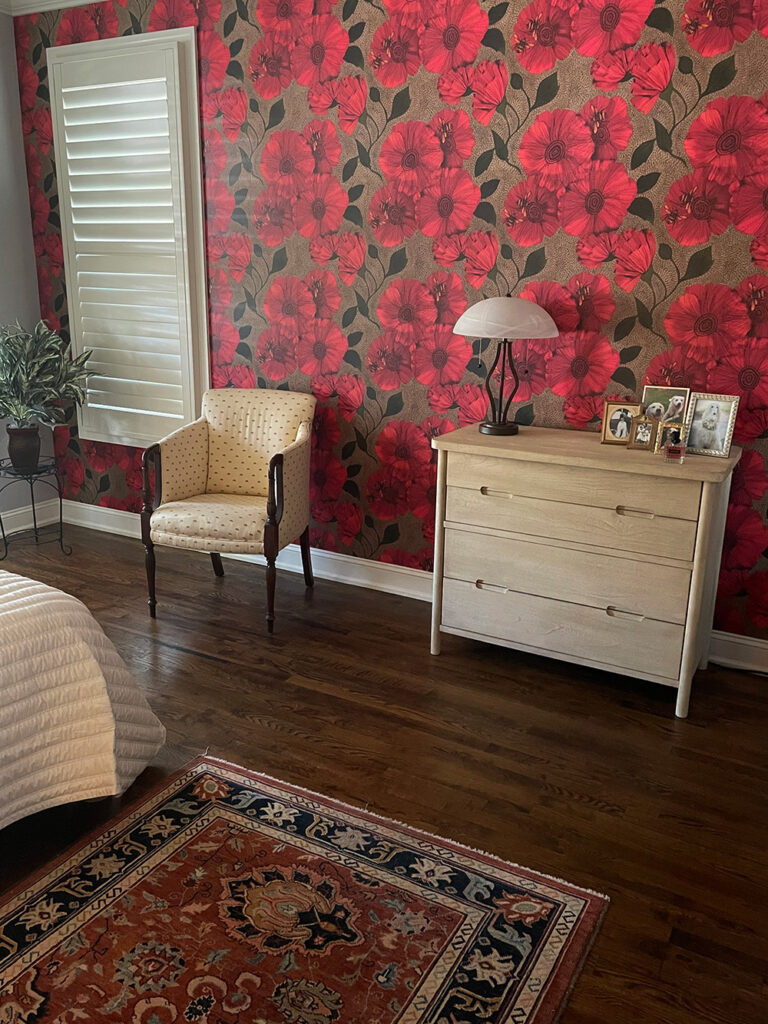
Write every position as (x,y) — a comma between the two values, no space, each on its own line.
(579,774)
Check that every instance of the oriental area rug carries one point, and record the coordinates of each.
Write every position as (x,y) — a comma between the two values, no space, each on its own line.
(230,897)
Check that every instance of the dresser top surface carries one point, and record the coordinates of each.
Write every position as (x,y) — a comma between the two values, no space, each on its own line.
(582,448)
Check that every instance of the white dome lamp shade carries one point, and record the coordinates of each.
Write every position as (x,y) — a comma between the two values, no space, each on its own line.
(505,318)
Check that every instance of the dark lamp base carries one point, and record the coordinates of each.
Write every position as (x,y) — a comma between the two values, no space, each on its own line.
(498,429)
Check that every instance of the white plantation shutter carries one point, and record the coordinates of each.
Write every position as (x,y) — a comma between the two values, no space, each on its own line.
(127,159)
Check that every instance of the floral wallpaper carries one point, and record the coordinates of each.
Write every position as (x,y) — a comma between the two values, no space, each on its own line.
(374,166)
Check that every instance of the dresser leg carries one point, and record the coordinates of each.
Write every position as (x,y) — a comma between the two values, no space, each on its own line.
(437,571)
(683,698)
(434,647)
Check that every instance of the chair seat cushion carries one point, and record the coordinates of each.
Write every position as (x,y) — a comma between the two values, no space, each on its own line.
(212,522)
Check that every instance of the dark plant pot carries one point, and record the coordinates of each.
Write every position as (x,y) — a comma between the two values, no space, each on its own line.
(24,448)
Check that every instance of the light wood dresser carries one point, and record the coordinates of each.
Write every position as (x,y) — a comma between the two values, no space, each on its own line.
(552,543)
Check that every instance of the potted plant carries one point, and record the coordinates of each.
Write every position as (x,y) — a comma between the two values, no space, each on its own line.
(37,379)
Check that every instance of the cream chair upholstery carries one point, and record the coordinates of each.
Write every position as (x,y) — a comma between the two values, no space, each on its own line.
(236,480)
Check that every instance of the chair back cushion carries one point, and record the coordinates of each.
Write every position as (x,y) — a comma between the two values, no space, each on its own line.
(246,427)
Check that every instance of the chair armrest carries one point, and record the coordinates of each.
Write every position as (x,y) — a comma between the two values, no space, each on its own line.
(288,500)
(180,462)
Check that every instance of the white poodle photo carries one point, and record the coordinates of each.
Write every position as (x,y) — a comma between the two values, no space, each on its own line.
(706,428)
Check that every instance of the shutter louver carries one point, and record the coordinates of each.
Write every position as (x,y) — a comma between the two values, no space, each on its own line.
(120,167)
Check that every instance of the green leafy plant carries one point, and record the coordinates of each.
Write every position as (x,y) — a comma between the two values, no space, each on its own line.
(37,377)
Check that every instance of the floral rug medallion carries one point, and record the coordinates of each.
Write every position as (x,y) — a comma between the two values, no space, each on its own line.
(229,897)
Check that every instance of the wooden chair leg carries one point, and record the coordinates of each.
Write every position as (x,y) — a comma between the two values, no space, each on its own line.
(218,568)
(271,580)
(149,561)
(306,560)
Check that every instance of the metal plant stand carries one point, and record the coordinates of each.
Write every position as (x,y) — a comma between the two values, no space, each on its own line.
(45,470)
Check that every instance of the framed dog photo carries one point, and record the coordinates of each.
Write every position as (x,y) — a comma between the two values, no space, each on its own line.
(709,423)
(669,433)
(617,421)
(642,433)
(665,404)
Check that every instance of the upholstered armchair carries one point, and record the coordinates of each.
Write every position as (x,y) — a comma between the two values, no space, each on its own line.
(235,480)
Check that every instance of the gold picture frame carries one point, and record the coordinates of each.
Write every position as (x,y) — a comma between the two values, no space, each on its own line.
(663,434)
(648,428)
(709,424)
(617,421)
(658,399)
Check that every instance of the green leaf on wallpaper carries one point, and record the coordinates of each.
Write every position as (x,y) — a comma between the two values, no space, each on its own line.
(629,353)
(54,220)
(352,358)
(391,534)
(245,330)
(42,92)
(483,162)
(348,9)
(665,251)
(394,405)
(516,81)
(276,114)
(58,302)
(370,393)
(243,351)
(507,252)
(348,450)
(240,196)
(624,327)
(642,153)
(348,316)
(663,138)
(362,304)
(489,187)
(721,75)
(375,94)
(362,442)
(363,155)
(349,168)
(37,53)
(485,212)
(642,207)
(548,89)
(524,415)
(351,488)
(250,300)
(234,173)
(643,314)
(238,312)
(48,182)
(499,145)
(234,70)
(353,215)
(535,263)
(355,338)
(242,9)
(104,483)
(229,23)
(373,252)
(247,165)
(624,376)
(354,55)
(355,31)
(698,264)
(400,103)
(685,65)
(235,47)
(354,470)
(279,260)
(494,38)
(661,19)
(368,520)
(355,192)
(646,181)
(397,262)
(497,12)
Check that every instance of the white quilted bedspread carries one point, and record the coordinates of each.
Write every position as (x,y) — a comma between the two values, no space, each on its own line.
(74,724)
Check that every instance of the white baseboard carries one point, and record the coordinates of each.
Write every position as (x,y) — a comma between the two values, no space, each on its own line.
(742,652)
(21,518)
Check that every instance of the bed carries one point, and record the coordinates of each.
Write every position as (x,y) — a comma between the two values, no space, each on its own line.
(74,724)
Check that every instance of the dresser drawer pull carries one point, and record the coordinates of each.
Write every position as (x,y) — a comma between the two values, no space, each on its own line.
(488,492)
(619,613)
(495,587)
(636,513)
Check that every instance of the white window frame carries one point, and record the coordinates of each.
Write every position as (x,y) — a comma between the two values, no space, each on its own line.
(180,47)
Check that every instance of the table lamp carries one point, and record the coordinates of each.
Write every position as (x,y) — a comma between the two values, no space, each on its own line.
(505,318)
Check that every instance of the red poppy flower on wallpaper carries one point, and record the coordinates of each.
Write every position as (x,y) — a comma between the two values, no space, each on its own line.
(28,83)
(327,476)
(351,392)
(214,153)
(72,475)
(454,133)
(600,26)
(448,296)
(389,362)
(488,81)
(753,292)
(167,14)
(436,426)
(233,104)
(584,411)
(32,161)
(287,161)
(696,208)
(321,97)
(410,155)
(652,67)
(212,60)
(276,352)
(40,123)
(394,53)
(288,298)
(76,26)
(558,302)
(440,356)
(713,26)
(594,250)
(208,12)
(595,304)
(224,336)
(424,494)
(758,250)
(597,201)
(412,12)
(320,348)
(757,607)
(453,35)
(324,145)
(351,251)
(351,95)
(542,36)
(324,291)
(750,480)
(320,206)
(729,139)
(581,364)
(530,212)
(531,366)
(481,250)
(447,204)
(392,215)
(102,457)
(349,520)
(746,537)
(273,216)
(322,540)
(387,494)
(635,249)
(105,19)
(749,204)
(556,147)
(52,249)
(319,52)
(326,432)
(472,401)
(239,376)
(239,250)
(219,290)
(674,368)
(751,424)
(287,19)
(609,125)
(407,309)
(323,248)
(742,369)
(455,83)
(448,249)
(269,67)
(706,319)
(219,205)
(612,68)
(423,559)
(402,447)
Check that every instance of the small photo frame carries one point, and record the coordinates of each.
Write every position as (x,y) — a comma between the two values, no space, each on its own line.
(617,421)
(669,433)
(709,424)
(642,434)
(665,404)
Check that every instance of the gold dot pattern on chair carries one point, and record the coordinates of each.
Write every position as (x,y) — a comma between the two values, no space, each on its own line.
(184,462)
(213,522)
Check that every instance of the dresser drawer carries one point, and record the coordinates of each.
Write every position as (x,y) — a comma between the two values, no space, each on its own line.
(635,644)
(581,577)
(662,495)
(617,528)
